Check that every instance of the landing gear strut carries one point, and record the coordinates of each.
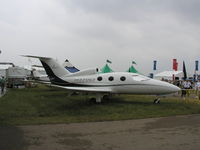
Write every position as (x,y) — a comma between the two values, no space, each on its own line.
(156,101)
(99,97)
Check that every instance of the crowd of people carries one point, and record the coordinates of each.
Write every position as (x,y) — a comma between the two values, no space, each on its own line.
(187,86)
(198,88)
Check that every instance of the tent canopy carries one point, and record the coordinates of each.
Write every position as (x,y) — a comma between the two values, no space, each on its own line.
(132,69)
(169,75)
(106,69)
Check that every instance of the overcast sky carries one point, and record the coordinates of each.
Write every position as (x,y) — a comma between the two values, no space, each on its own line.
(87,32)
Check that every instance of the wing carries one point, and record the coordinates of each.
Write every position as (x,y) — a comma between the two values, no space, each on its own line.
(86,89)
(39,81)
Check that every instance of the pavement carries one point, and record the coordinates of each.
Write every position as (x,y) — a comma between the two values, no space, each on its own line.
(168,133)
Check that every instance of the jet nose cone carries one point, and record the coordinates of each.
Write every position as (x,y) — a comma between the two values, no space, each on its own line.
(167,88)
(175,89)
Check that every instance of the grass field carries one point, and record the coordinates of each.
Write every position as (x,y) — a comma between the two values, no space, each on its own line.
(44,105)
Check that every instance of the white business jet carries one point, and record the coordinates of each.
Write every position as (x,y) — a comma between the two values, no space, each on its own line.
(103,84)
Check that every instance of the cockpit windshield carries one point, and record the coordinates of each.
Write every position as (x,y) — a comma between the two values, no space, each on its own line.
(140,78)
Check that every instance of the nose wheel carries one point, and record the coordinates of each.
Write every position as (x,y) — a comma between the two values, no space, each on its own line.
(156,101)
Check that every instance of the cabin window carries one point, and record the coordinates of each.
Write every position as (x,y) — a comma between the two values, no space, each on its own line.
(123,78)
(111,78)
(99,78)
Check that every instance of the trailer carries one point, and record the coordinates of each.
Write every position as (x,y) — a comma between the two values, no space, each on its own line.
(16,77)
(3,73)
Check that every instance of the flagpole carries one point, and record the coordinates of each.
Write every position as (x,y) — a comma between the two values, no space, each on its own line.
(154,67)
(195,72)
(196,69)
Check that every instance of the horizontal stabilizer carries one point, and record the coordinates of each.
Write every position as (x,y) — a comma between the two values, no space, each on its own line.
(38,66)
(31,56)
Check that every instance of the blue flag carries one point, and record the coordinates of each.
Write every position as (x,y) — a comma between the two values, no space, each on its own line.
(196,65)
(154,65)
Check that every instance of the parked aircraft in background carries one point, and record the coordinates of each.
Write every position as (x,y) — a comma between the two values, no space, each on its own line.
(105,83)
(39,74)
(7,63)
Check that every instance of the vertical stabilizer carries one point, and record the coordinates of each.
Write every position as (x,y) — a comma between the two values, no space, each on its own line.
(54,70)
(52,66)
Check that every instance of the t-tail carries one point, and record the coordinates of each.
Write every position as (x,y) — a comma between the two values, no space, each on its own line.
(70,67)
(54,70)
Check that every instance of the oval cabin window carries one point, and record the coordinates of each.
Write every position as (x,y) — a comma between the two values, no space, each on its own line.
(123,78)
(111,78)
(99,78)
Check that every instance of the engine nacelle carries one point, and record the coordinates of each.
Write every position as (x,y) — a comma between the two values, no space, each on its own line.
(84,72)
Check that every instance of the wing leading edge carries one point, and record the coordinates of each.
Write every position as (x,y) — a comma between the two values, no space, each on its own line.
(86,89)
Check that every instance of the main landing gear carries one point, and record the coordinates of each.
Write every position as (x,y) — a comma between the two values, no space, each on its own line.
(98,98)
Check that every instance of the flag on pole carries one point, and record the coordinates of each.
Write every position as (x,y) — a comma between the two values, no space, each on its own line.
(108,61)
(196,65)
(154,65)
(133,62)
(175,65)
(184,71)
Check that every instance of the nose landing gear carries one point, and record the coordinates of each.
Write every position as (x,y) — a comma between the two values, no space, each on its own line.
(156,101)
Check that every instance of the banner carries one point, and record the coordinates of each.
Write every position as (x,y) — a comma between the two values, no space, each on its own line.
(175,65)
(196,65)
(154,65)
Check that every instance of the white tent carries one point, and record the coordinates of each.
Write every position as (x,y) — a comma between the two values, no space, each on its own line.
(168,75)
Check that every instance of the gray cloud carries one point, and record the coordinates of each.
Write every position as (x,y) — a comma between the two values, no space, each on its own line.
(89,32)
(134,10)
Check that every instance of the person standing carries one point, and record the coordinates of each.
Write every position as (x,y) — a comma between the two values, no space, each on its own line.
(183,91)
(187,86)
(2,84)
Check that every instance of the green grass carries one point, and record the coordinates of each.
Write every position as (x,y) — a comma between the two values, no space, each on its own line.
(43,105)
